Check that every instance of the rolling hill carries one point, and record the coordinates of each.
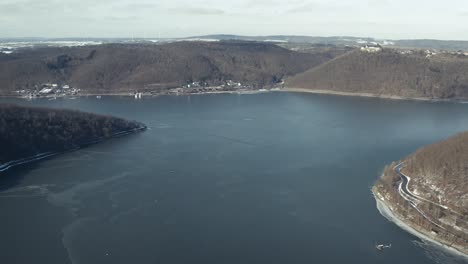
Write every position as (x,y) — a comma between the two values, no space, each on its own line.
(390,73)
(114,68)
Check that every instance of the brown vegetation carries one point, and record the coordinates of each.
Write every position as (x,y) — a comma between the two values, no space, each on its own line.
(27,131)
(389,73)
(127,67)
(442,170)
(439,174)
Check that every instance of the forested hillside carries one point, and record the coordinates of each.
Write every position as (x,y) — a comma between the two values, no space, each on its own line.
(436,203)
(27,131)
(128,67)
(390,73)
(441,171)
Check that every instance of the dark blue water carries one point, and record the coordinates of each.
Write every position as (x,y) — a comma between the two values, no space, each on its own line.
(265,178)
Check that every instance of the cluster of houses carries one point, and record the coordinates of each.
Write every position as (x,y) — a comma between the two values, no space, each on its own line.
(457,53)
(49,90)
(431,52)
(194,84)
(223,84)
(371,48)
(202,87)
(376,48)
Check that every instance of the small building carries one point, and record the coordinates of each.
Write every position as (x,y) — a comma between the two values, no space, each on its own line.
(406,52)
(46,90)
(66,86)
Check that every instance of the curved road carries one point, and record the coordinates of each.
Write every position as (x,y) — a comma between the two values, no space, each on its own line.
(413,199)
(406,180)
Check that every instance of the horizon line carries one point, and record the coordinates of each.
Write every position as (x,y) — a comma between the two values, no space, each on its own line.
(234,35)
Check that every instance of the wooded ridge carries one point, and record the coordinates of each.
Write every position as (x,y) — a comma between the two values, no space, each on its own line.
(28,131)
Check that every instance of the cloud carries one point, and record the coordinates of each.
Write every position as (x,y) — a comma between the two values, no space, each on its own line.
(31,8)
(140,6)
(121,18)
(196,11)
(11,8)
(262,3)
(381,18)
(378,3)
(305,8)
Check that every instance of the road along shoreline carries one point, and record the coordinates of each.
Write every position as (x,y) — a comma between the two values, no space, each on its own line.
(291,90)
(369,95)
(386,212)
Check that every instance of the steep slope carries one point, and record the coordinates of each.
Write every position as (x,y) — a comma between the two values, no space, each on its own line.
(126,67)
(389,73)
(428,190)
(29,131)
(443,171)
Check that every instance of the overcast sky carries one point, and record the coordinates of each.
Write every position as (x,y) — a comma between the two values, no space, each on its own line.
(178,18)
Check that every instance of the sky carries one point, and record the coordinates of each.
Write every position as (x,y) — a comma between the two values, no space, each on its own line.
(385,19)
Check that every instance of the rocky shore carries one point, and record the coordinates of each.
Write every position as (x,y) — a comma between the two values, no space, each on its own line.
(388,212)
(428,192)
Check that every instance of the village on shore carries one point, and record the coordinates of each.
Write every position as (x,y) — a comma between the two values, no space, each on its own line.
(54,90)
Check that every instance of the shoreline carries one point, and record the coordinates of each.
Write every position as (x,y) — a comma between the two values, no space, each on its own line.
(386,212)
(128,94)
(368,95)
(13,163)
(291,90)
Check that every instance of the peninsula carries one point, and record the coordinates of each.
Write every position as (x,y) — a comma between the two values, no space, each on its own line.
(31,133)
(427,193)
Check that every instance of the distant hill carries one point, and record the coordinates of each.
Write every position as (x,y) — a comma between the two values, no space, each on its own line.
(390,72)
(451,45)
(29,131)
(112,68)
(122,68)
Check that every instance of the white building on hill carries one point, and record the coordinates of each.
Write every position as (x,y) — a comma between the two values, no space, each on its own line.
(371,49)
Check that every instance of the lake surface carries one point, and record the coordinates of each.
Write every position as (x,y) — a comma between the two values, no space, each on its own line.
(263,178)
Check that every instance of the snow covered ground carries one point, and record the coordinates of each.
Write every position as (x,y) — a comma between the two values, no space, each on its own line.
(387,213)
(8,47)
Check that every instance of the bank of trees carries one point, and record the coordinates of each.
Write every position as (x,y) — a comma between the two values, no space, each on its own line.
(442,170)
(389,73)
(26,131)
(114,68)
(439,172)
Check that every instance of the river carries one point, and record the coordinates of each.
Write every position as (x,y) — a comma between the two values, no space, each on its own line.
(226,178)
